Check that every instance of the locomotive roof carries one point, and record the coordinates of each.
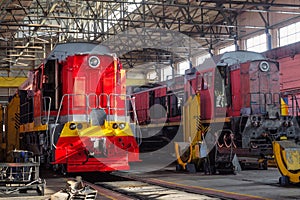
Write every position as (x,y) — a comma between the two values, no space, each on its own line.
(231,58)
(235,57)
(63,50)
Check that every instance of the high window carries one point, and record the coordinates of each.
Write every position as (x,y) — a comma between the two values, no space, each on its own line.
(202,58)
(227,49)
(289,34)
(183,66)
(152,75)
(166,73)
(257,43)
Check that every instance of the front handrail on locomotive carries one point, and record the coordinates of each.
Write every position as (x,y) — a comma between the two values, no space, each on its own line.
(295,108)
(110,108)
(138,132)
(47,114)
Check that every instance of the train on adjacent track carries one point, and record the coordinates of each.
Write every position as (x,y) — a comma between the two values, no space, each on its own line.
(232,103)
(72,112)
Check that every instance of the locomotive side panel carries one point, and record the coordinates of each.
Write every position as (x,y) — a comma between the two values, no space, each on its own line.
(290,83)
(238,92)
(158,108)
(206,83)
(245,89)
(142,107)
(289,67)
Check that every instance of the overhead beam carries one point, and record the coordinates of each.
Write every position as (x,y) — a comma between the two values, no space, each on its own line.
(10,82)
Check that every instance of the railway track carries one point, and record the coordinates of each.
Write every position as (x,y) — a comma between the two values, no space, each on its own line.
(170,184)
(127,186)
(120,187)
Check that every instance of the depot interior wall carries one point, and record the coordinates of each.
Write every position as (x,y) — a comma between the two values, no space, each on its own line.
(135,78)
(161,71)
(253,23)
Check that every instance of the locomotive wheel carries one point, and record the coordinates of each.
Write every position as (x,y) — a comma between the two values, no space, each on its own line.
(23,191)
(178,168)
(263,164)
(284,181)
(55,167)
(198,164)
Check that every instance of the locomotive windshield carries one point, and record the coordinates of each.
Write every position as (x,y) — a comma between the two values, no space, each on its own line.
(220,81)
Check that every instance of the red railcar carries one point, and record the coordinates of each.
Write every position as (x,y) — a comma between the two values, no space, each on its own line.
(75,115)
(158,108)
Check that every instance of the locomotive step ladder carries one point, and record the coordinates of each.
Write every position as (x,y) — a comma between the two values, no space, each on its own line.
(287,157)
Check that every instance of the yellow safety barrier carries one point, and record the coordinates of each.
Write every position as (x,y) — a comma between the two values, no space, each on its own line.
(178,156)
(287,157)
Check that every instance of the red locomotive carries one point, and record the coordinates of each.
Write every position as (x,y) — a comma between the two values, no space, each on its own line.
(243,89)
(231,101)
(73,111)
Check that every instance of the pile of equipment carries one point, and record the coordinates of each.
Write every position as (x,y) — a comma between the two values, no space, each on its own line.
(20,174)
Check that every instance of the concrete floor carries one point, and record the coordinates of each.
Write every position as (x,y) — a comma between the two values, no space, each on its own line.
(263,184)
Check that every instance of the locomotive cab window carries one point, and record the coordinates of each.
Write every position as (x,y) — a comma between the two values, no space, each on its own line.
(37,79)
(207,80)
(51,82)
(220,79)
(174,103)
(200,82)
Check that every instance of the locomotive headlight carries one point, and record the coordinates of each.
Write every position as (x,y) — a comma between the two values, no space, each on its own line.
(122,125)
(285,123)
(255,124)
(264,66)
(79,126)
(72,126)
(94,62)
(115,126)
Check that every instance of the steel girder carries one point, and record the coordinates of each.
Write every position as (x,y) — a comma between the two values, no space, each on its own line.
(133,28)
